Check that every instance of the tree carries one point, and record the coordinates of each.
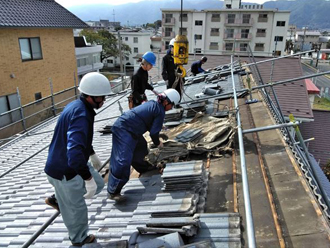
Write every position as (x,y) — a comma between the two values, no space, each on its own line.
(108,41)
(158,24)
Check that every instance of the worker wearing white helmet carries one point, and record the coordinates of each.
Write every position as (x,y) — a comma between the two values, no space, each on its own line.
(128,144)
(67,167)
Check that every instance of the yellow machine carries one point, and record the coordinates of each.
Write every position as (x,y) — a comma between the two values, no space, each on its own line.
(180,52)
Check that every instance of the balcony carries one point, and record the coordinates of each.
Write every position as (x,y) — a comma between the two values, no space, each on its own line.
(168,21)
(259,49)
(243,36)
(229,36)
(214,33)
(168,34)
(214,47)
(261,35)
(215,19)
(260,19)
(239,22)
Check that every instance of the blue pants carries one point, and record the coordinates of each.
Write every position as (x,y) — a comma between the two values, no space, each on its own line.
(69,195)
(127,150)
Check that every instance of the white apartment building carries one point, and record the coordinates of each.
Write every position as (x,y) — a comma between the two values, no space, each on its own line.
(224,30)
(139,42)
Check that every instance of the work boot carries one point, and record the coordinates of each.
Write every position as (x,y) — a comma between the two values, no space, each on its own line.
(51,201)
(89,239)
(117,197)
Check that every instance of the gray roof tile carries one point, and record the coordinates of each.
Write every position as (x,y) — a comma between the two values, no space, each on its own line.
(37,13)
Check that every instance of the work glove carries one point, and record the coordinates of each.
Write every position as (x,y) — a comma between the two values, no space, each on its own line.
(163,136)
(91,187)
(96,162)
(160,145)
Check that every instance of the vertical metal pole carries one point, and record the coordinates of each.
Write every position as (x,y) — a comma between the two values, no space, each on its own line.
(121,57)
(181,17)
(246,191)
(158,58)
(21,108)
(75,85)
(52,96)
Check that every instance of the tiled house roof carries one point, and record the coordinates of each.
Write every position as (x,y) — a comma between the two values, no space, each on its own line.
(38,14)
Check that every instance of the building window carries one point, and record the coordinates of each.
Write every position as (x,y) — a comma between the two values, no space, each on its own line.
(168,18)
(198,36)
(37,96)
(168,32)
(278,38)
(8,103)
(215,18)
(30,48)
(259,47)
(96,58)
(229,46)
(246,18)
(136,50)
(245,33)
(135,39)
(243,47)
(126,38)
(263,18)
(280,24)
(198,50)
(82,62)
(261,32)
(184,17)
(231,18)
(198,23)
(184,31)
(229,33)
(215,32)
(214,46)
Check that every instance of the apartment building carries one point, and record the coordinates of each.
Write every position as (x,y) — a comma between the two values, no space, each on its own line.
(139,42)
(230,29)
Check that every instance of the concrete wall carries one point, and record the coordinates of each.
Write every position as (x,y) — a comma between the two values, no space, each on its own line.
(58,62)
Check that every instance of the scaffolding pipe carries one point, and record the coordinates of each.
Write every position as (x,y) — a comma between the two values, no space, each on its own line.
(259,129)
(21,109)
(246,191)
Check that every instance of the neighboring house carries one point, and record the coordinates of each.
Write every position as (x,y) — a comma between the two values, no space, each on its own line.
(318,129)
(139,42)
(88,57)
(36,47)
(306,38)
(224,30)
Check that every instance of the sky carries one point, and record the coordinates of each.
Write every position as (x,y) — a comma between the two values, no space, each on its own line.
(70,3)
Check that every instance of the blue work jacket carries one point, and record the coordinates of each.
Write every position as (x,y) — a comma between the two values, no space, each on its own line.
(72,142)
(146,117)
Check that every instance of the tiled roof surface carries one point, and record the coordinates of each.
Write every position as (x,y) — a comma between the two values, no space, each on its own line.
(37,13)
(293,97)
(320,147)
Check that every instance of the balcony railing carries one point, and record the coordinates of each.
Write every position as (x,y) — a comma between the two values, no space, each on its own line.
(260,19)
(214,47)
(243,36)
(169,21)
(261,35)
(215,19)
(215,33)
(229,36)
(239,22)
(184,19)
(259,49)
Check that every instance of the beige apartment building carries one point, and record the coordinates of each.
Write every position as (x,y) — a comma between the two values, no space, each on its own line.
(232,28)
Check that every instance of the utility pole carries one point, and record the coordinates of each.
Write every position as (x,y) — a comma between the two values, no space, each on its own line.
(303,40)
(318,54)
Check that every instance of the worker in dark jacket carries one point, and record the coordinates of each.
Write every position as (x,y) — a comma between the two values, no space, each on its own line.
(196,67)
(127,137)
(67,167)
(139,81)
(169,69)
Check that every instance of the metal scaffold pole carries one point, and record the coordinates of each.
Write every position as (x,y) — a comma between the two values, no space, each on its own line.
(246,191)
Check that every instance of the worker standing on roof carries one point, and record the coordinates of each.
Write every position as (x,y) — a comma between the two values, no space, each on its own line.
(196,67)
(67,167)
(128,144)
(169,69)
(139,82)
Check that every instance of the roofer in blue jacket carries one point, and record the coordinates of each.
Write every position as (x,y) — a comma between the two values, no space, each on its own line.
(67,167)
(196,67)
(128,144)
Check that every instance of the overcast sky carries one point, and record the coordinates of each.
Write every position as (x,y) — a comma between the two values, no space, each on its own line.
(69,3)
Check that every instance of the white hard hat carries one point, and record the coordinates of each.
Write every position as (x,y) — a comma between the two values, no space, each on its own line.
(173,96)
(95,84)
(172,42)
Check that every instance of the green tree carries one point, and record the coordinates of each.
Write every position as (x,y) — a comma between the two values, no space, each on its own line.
(108,41)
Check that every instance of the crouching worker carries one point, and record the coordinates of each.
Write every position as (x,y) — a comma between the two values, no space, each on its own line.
(67,167)
(128,144)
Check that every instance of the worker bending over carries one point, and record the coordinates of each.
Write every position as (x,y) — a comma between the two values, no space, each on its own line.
(196,67)
(67,167)
(128,144)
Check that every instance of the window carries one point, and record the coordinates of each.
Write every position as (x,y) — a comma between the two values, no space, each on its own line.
(280,24)
(246,18)
(230,33)
(135,39)
(96,58)
(37,96)
(82,62)
(215,18)
(229,46)
(168,18)
(184,31)
(168,32)
(243,47)
(136,50)
(198,23)
(198,50)
(259,47)
(261,32)
(245,33)
(8,103)
(184,17)
(214,46)
(231,18)
(198,36)
(110,61)
(263,18)
(214,32)
(126,38)
(30,48)
(278,38)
